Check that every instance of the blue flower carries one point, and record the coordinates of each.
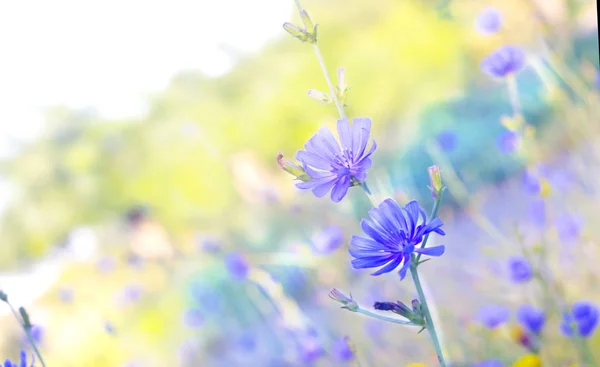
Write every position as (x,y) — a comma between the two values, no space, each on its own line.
(520,269)
(336,168)
(22,361)
(504,61)
(328,240)
(493,316)
(568,227)
(531,183)
(393,234)
(537,211)
(341,351)
(531,318)
(447,140)
(585,317)
(488,21)
(309,349)
(237,266)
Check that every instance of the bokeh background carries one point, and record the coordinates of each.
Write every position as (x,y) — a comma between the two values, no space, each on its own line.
(138,177)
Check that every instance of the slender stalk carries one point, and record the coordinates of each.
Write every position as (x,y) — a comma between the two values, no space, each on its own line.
(434,211)
(336,100)
(428,320)
(28,334)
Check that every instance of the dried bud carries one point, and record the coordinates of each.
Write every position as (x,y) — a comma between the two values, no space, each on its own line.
(25,316)
(292,168)
(3,296)
(319,96)
(348,302)
(296,31)
(435,179)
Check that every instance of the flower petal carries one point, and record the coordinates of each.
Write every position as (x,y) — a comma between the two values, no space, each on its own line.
(432,251)
(343,127)
(340,189)
(361,243)
(312,159)
(361,129)
(404,268)
(370,262)
(389,267)
(323,189)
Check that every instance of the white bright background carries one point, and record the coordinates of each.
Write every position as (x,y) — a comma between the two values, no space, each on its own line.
(110,54)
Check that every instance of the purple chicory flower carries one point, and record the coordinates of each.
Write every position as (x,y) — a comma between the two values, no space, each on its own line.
(493,316)
(341,351)
(336,168)
(488,21)
(328,240)
(584,315)
(504,61)
(520,269)
(531,318)
(392,235)
(237,266)
(568,227)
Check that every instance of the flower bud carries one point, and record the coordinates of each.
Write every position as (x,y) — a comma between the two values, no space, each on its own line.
(348,302)
(435,179)
(319,96)
(292,168)
(25,316)
(3,296)
(296,31)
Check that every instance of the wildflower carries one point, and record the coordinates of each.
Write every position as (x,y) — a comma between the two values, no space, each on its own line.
(393,234)
(341,350)
(447,140)
(583,316)
(530,360)
(488,21)
(292,168)
(237,266)
(504,61)
(37,333)
(309,349)
(328,240)
(22,361)
(348,302)
(532,318)
(246,342)
(3,296)
(520,269)
(490,363)
(193,318)
(131,293)
(531,183)
(336,168)
(568,227)
(493,316)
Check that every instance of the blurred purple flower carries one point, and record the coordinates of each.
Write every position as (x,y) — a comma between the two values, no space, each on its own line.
(508,142)
(531,183)
(493,316)
(504,61)
(488,21)
(332,167)
(520,269)
(447,140)
(237,266)
(247,342)
(208,244)
(393,234)
(135,261)
(490,363)
(568,227)
(131,293)
(309,350)
(37,333)
(531,318)
(22,361)
(585,317)
(106,264)
(328,240)
(537,211)
(341,351)
(193,318)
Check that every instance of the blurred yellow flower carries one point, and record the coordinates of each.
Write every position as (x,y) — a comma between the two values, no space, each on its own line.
(530,360)
(416,365)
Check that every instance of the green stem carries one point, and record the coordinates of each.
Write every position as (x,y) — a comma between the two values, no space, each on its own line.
(434,211)
(28,334)
(338,104)
(383,318)
(428,320)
